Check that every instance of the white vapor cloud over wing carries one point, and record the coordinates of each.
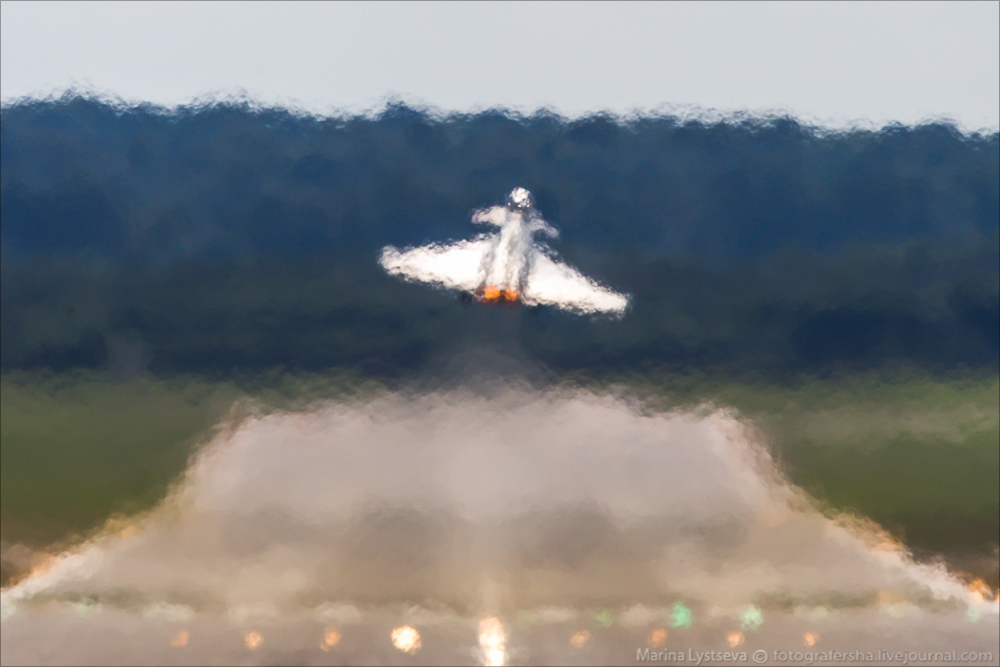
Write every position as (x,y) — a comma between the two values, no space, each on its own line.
(553,283)
(457,266)
(508,266)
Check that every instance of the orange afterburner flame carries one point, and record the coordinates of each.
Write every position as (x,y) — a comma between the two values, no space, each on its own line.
(494,294)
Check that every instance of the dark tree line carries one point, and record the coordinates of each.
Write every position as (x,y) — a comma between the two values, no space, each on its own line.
(226,236)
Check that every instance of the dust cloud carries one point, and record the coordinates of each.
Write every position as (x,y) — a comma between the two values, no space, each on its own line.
(522,526)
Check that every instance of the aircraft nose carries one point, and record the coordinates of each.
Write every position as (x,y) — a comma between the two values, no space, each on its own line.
(519,198)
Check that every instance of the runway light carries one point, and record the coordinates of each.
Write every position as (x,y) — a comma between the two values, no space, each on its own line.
(735,638)
(330,639)
(604,618)
(752,617)
(658,638)
(681,616)
(179,640)
(253,640)
(580,639)
(406,639)
(810,638)
(492,641)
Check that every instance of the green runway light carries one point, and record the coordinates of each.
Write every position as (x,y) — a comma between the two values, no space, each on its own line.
(681,616)
(752,617)
(604,618)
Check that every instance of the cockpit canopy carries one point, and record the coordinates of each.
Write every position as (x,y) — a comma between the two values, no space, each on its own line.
(519,199)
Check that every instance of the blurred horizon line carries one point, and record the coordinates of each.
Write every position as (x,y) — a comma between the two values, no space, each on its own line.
(240,97)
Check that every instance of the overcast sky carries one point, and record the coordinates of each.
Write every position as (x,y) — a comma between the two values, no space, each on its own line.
(838,63)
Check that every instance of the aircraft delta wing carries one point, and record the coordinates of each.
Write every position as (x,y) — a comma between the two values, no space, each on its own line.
(455,266)
(552,283)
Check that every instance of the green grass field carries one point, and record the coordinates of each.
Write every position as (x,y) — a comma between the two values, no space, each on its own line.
(916,453)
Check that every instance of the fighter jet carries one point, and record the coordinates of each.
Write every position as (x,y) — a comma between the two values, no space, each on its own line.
(508,267)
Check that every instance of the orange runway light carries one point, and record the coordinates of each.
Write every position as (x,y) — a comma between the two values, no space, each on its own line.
(253,640)
(658,638)
(406,639)
(492,640)
(330,639)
